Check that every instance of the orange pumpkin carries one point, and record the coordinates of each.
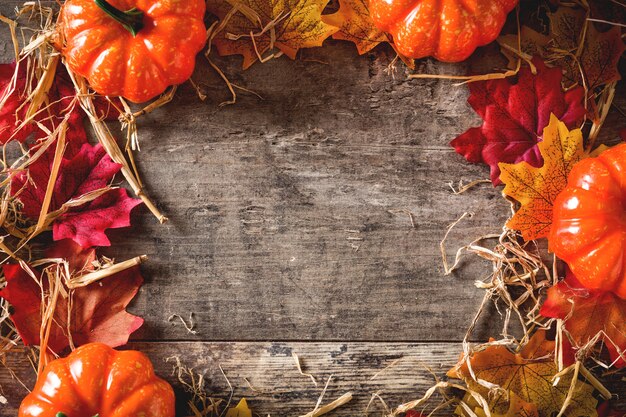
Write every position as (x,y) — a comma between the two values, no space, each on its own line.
(449,30)
(132,48)
(98,380)
(589,222)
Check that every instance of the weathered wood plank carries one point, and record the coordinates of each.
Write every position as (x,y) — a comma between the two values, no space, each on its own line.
(289,221)
(270,255)
(291,207)
(266,374)
(288,214)
(287,207)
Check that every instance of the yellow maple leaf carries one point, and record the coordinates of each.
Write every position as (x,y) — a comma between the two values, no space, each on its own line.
(536,188)
(529,376)
(262,29)
(355,25)
(240,410)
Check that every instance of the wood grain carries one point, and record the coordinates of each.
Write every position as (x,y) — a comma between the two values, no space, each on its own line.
(313,214)
(289,214)
(266,373)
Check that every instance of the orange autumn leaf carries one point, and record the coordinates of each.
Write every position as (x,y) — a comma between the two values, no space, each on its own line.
(589,315)
(517,407)
(528,375)
(355,25)
(263,29)
(536,188)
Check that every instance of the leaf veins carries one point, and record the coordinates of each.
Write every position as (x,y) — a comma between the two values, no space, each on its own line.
(255,28)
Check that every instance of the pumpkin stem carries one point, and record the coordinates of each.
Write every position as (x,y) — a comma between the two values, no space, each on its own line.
(131,19)
(60,414)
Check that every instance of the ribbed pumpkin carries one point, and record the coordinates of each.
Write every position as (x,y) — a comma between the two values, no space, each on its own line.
(98,380)
(449,30)
(132,48)
(589,222)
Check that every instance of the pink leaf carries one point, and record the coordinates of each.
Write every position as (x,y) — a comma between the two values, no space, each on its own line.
(86,227)
(89,170)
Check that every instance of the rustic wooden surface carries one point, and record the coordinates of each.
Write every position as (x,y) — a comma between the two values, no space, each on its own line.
(267,375)
(290,231)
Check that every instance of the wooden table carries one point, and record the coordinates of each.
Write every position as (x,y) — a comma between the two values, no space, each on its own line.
(308,221)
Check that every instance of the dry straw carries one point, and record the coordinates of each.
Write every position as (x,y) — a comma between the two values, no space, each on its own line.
(39,60)
(518,273)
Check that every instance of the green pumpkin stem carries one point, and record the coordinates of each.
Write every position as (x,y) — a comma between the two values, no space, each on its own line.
(131,19)
(60,414)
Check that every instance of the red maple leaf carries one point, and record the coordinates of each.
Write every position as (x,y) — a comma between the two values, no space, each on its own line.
(13,98)
(588,313)
(88,170)
(79,259)
(98,312)
(14,90)
(413,413)
(514,115)
(605,410)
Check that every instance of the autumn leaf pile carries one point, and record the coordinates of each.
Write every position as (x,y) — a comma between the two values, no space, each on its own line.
(537,125)
(260,30)
(60,198)
(554,113)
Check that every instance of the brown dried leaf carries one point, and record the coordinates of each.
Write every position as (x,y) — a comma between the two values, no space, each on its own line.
(595,63)
(529,374)
(591,62)
(355,25)
(531,43)
(257,28)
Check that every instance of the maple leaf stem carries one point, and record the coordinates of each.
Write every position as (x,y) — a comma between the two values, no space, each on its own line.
(132,19)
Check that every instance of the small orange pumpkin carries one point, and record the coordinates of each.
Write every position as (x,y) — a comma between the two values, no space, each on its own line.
(589,222)
(449,30)
(98,380)
(132,48)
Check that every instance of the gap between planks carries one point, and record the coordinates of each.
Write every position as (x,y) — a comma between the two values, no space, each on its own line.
(267,375)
